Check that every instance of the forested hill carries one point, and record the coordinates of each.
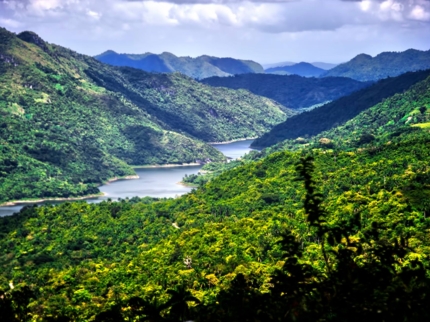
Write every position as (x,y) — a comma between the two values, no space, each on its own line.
(329,116)
(292,91)
(69,122)
(243,238)
(387,64)
(301,69)
(199,67)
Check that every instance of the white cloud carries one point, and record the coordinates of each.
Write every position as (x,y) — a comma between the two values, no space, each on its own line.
(212,26)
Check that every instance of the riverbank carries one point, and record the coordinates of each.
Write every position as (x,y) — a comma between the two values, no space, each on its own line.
(172,165)
(34,201)
(232,141)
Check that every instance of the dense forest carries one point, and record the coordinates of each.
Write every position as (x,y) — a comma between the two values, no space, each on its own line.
(198,68)
(239,233)
(329,226)
(69,122)
(292,91)
(333,114)
(387,64)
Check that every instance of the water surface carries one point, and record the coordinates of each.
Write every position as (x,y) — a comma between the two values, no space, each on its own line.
(153,182)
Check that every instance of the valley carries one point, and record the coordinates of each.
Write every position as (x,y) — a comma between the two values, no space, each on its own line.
(206,188)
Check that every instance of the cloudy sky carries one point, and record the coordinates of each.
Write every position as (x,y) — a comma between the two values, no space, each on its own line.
(265,31)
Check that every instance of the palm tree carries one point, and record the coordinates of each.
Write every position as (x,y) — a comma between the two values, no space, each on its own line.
(178,303)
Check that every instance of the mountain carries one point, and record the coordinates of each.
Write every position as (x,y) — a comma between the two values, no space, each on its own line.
(281,64)
(387,64)
(291,91)
(198,68)
(321,65)
(247,239)
(337,112)
(301,69)
(69,122)
(325,66)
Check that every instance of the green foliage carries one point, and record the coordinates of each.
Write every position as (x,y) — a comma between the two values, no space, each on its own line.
(89,257)
(387,64)
(69,123)
(333,114)
(292,91)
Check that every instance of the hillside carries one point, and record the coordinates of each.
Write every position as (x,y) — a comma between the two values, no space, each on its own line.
(238,238)
(378,125)
(301,69)
(291,91)
(336,113)
(198,68)
(387,64)
(69,122)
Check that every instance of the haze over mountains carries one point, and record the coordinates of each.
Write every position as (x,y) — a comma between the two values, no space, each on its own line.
(292,91)
(302,69)
(198,68)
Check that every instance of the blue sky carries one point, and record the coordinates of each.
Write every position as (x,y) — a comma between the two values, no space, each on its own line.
(264,31)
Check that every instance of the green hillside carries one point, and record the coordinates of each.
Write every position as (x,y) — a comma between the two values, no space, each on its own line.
(333,114)
(83,259)
(69,122)
(380,124)
(387,64)
(292,91)
(198,68)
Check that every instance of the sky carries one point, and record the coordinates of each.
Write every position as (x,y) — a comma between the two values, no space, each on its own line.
(271,31)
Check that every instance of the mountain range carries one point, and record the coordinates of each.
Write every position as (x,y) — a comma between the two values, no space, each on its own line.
(198,68)
(301,69)
(387,64)
(292,91)
(336,113)
(69,122)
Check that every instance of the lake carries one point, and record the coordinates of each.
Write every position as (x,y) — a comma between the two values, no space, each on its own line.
(153,182)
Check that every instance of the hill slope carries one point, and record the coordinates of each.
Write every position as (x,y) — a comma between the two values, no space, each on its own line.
(387,64)
(335,113)
(291,91)
(199,67)
(63,129)
(301,69)
(97,256)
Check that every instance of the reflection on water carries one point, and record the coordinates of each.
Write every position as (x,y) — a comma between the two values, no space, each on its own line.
(152,182)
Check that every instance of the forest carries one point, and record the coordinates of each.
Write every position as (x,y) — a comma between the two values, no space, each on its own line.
(329,226)
(68,123)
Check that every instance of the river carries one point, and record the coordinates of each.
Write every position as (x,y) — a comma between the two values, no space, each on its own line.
(153,182)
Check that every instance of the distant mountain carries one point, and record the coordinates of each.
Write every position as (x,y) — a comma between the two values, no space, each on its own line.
(387,64)
(301,69)
(291,91)
(198,68)
(325,66)
(69,122)
(281,64)
(328,116)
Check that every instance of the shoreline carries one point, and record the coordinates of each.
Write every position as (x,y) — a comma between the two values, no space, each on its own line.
(169,165)
(232,141)
(37,201)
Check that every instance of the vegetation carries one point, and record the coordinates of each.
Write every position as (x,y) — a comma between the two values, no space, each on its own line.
(387,64)
(301,69)
(224,238)
(291,91)
(198,68)
(331,115)
(69,122)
